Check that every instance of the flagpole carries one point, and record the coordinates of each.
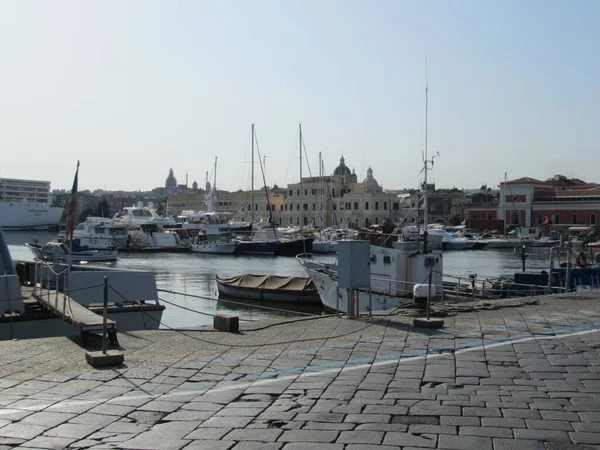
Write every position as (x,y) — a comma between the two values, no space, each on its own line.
(71,218)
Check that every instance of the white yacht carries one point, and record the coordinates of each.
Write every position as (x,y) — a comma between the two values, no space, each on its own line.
(202,244)
(99,233)
(213,224)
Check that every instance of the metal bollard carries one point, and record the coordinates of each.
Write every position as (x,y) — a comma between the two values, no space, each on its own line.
(105,315)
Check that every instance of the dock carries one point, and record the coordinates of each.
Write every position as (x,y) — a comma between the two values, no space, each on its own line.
(72,312)
(507,374)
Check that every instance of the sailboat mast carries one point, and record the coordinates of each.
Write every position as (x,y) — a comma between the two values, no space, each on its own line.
(301,191)
(425,198)
(214,188)
(321,188)
(252,182)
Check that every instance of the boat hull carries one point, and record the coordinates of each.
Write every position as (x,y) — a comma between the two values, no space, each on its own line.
(293,247)
(221,248)
(265,295)
(29,216)
(256,248)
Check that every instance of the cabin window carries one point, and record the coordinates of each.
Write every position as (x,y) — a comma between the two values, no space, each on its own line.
(574,219)
(366,205)
(387,259)
(373,259)
(593,219)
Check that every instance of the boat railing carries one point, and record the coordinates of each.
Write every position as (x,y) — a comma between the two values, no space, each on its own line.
(46,285)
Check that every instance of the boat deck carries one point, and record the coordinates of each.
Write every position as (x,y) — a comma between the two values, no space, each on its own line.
(72,312)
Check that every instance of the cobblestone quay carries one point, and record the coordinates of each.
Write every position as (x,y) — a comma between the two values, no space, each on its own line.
(522,377)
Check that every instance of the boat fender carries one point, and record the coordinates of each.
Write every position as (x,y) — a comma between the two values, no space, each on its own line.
(581,259)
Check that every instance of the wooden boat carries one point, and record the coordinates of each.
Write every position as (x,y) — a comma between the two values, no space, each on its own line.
(270,288)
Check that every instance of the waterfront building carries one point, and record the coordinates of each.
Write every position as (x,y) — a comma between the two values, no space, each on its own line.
(528,202)
(14,190)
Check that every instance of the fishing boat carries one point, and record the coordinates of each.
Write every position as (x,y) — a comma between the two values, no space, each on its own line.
(59,251)
(269,288)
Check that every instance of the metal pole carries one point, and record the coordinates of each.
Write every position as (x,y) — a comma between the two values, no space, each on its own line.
(105,316)
(429,295)
(370,303)
(337,300)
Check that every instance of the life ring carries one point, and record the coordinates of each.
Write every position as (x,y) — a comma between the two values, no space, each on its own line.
(581,259)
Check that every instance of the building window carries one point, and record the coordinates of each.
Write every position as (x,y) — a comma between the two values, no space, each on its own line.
(396,206)
(556,219)
(286,207)
(305,206)
(291,221)
(376,206)
(256,207)
(306,221)
(305,191)
(281,207)
(376,220)
(355,205)
(539,219)
(489,217)
(574,218)
(593,219)
(314,207)
(474,217)
(514,218)
(291,192)
(297,220)
(298,191)
(333,192)
(385,206)
(366,205)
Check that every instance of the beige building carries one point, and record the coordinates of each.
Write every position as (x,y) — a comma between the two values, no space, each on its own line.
(238,203)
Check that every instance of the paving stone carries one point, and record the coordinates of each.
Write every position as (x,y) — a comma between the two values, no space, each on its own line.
(365,418)
(73,430)
(401,428)
(521,413)
(22,431)
(213,434)
(328,426)
(549,424)
(503,422)
(226,422)
(93,419)
(360,437)
(309,436)
(410,440)
(486,432)
(586,438)
(263,435)
(464,442)
(47,442)
(248,445)
(482,412)
(47,419)
(312,446)
(372,447)
(542,435)
(517,444)
(432,429)
(320,417)
(154,443)
(560,415)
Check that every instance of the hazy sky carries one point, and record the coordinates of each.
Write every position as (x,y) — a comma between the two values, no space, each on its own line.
(132,88)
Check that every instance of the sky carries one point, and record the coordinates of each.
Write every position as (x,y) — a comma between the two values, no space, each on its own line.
(132,88)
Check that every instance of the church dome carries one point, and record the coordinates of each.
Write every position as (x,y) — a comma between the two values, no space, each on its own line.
(342,169)
(372,184)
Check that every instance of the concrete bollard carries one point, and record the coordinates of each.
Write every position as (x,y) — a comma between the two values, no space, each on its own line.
(224,322)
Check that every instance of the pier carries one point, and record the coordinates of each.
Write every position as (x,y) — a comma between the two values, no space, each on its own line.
(520,373)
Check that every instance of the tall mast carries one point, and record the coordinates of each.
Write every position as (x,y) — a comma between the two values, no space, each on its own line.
(252,183)
(301,191)
(426,212)
(321,188)
(214,187)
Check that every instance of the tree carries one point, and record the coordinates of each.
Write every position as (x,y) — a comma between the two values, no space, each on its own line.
(171,181)
(103,208)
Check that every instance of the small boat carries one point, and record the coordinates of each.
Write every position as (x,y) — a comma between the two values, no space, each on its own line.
(59,251)
(200,244)
(270,288)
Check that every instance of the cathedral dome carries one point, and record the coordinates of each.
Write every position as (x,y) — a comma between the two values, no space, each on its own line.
(342,169)
(372,184)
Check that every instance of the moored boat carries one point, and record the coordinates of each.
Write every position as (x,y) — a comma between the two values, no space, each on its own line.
(270,288)
(59,251)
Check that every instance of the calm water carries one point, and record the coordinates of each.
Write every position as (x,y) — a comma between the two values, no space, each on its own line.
(195,274)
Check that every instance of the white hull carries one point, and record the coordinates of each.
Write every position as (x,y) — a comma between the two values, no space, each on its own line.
(25,215)
(215,247)
(337,300)
(324,247)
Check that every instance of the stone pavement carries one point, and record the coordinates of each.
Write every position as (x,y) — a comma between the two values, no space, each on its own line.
(512,378)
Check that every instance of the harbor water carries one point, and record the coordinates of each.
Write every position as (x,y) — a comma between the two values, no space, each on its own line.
(194,274)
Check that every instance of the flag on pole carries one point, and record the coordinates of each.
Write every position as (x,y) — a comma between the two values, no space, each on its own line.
(72,207)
